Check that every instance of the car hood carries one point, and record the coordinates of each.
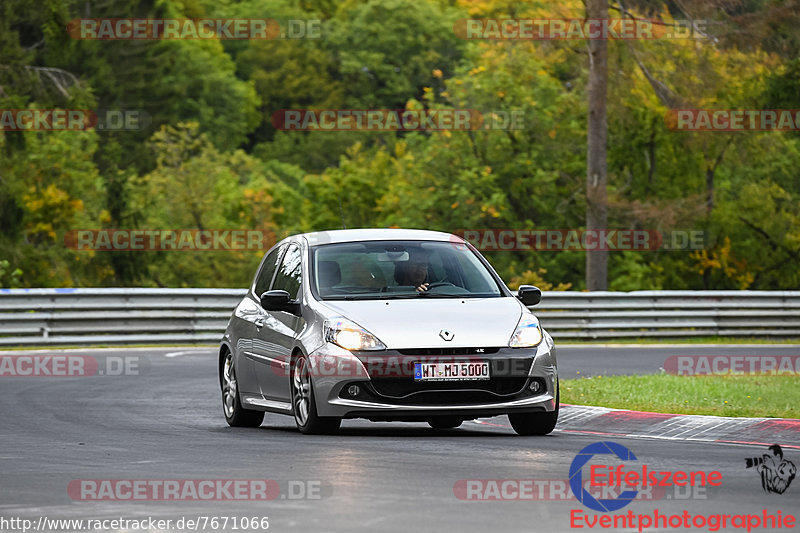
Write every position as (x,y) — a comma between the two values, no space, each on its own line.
(418,322)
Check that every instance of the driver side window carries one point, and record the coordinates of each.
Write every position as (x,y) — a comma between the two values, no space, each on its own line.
(290,272)
(268,270)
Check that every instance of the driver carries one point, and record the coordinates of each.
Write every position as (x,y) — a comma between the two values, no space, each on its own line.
(413,272)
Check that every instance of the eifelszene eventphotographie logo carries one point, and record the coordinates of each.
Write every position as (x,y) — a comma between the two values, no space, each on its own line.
(776,472)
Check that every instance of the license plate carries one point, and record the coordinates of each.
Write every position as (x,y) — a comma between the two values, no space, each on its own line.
(451,371)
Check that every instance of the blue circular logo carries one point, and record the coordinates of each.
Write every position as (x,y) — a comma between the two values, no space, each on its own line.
(576,477)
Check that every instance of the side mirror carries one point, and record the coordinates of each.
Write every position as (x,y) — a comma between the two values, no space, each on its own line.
(529,295)
(277,300)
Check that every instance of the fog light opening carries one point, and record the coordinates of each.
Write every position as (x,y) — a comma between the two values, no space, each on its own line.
(353,390)
(535,386)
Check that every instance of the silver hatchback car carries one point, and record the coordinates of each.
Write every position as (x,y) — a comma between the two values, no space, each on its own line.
(387,325)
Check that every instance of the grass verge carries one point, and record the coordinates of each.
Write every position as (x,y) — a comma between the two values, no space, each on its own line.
(751,396)
(679,340)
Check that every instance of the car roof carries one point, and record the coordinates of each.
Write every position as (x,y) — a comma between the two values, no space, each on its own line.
(376,234)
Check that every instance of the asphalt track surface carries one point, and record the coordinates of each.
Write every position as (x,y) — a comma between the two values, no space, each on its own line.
(165,423)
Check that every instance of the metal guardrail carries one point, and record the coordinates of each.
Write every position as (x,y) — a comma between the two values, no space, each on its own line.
(191,316)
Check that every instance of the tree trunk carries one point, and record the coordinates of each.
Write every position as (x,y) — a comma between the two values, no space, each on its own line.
(710,189)
(596,178)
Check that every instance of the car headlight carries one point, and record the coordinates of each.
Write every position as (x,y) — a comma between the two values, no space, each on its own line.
(528,332)
(350,336)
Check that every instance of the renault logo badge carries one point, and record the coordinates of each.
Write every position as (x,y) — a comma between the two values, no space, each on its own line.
(446,334)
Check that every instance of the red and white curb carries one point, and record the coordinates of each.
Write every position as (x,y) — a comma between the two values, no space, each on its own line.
(622,422)
(640,424)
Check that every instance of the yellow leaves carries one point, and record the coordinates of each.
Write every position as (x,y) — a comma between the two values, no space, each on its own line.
(552,134)
(437,73)
(50,197)
(42,227)
(706,262)
(490,210)
(453,205)
(477,70)
(722,260)
(536,278)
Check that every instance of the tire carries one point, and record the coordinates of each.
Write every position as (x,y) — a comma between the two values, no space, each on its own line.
(527,424)
(235,414)
(304,405)
(445,422)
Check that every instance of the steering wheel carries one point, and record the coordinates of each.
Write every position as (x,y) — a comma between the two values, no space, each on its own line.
(439,284)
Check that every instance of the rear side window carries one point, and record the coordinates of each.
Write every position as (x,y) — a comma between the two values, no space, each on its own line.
(267,271)
(289,273)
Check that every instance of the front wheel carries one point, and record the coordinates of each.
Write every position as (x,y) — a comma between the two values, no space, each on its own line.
(235,414)
(304,404)
(535,423)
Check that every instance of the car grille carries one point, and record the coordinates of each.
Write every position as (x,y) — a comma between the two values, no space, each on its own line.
(399,387)
(392,376)
(410,392)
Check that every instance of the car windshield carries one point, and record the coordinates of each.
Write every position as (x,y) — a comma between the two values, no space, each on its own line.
(376,270)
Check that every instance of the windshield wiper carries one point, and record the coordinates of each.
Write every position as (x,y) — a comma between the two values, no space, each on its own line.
(372,297)
(401,296)
(439,295)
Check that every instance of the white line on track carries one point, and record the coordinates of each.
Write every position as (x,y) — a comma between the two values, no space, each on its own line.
(184,352)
